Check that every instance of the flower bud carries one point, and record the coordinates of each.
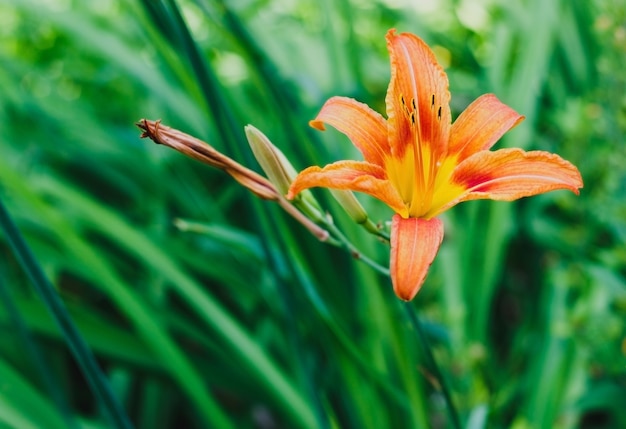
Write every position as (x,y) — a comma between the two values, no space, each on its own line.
(257,184)
(206,153)
(355,210)
(273,162)
(280,171)
(350,204)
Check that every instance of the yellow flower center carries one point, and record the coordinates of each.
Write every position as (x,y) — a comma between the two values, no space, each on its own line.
(407,174)
(413,173)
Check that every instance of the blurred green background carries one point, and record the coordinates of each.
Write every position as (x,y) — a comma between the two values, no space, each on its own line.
(247,321)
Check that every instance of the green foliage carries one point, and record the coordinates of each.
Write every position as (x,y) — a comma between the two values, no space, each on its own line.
(205,307)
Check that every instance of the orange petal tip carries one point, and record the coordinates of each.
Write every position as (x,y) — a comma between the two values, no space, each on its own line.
(414,245)
(318,125)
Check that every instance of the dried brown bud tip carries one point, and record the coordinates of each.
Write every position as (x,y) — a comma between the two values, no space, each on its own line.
(204,152)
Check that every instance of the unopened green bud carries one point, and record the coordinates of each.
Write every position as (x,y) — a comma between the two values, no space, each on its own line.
(351,205)
(273,162)
(280,171)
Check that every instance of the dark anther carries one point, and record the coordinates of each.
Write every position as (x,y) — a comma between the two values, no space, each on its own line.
(439,113)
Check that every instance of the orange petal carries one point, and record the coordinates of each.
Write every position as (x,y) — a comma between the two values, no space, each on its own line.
(414,245)
(418,98)
(350,175)
(366,128)
(509,174)
(480,126)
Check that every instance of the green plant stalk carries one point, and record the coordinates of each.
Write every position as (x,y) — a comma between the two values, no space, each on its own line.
(432,362)
(34,354)
(275,86)
(347,245)
(389,320)
(351,248)
(213,93)
(351,355)
(215,317)
(275,260)
(529,67)
(23,405)
(95,268)
(77,345)
(555,358)
(210,311)
(297,262)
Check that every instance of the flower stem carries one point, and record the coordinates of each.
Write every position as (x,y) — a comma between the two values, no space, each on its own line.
(372,228)
(343,242)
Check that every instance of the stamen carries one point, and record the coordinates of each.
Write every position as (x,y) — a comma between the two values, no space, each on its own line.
(434,165)
(420,194)
(418,159)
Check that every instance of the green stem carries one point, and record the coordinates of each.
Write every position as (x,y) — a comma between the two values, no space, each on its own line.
(346,244)
(77,345)
(372,228)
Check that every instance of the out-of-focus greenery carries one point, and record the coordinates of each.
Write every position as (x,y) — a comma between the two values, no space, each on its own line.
(248,321)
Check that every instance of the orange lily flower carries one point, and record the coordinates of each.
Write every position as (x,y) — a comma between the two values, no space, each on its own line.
(420,164)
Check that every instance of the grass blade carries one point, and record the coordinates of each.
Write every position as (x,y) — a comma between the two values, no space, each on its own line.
(84,358)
